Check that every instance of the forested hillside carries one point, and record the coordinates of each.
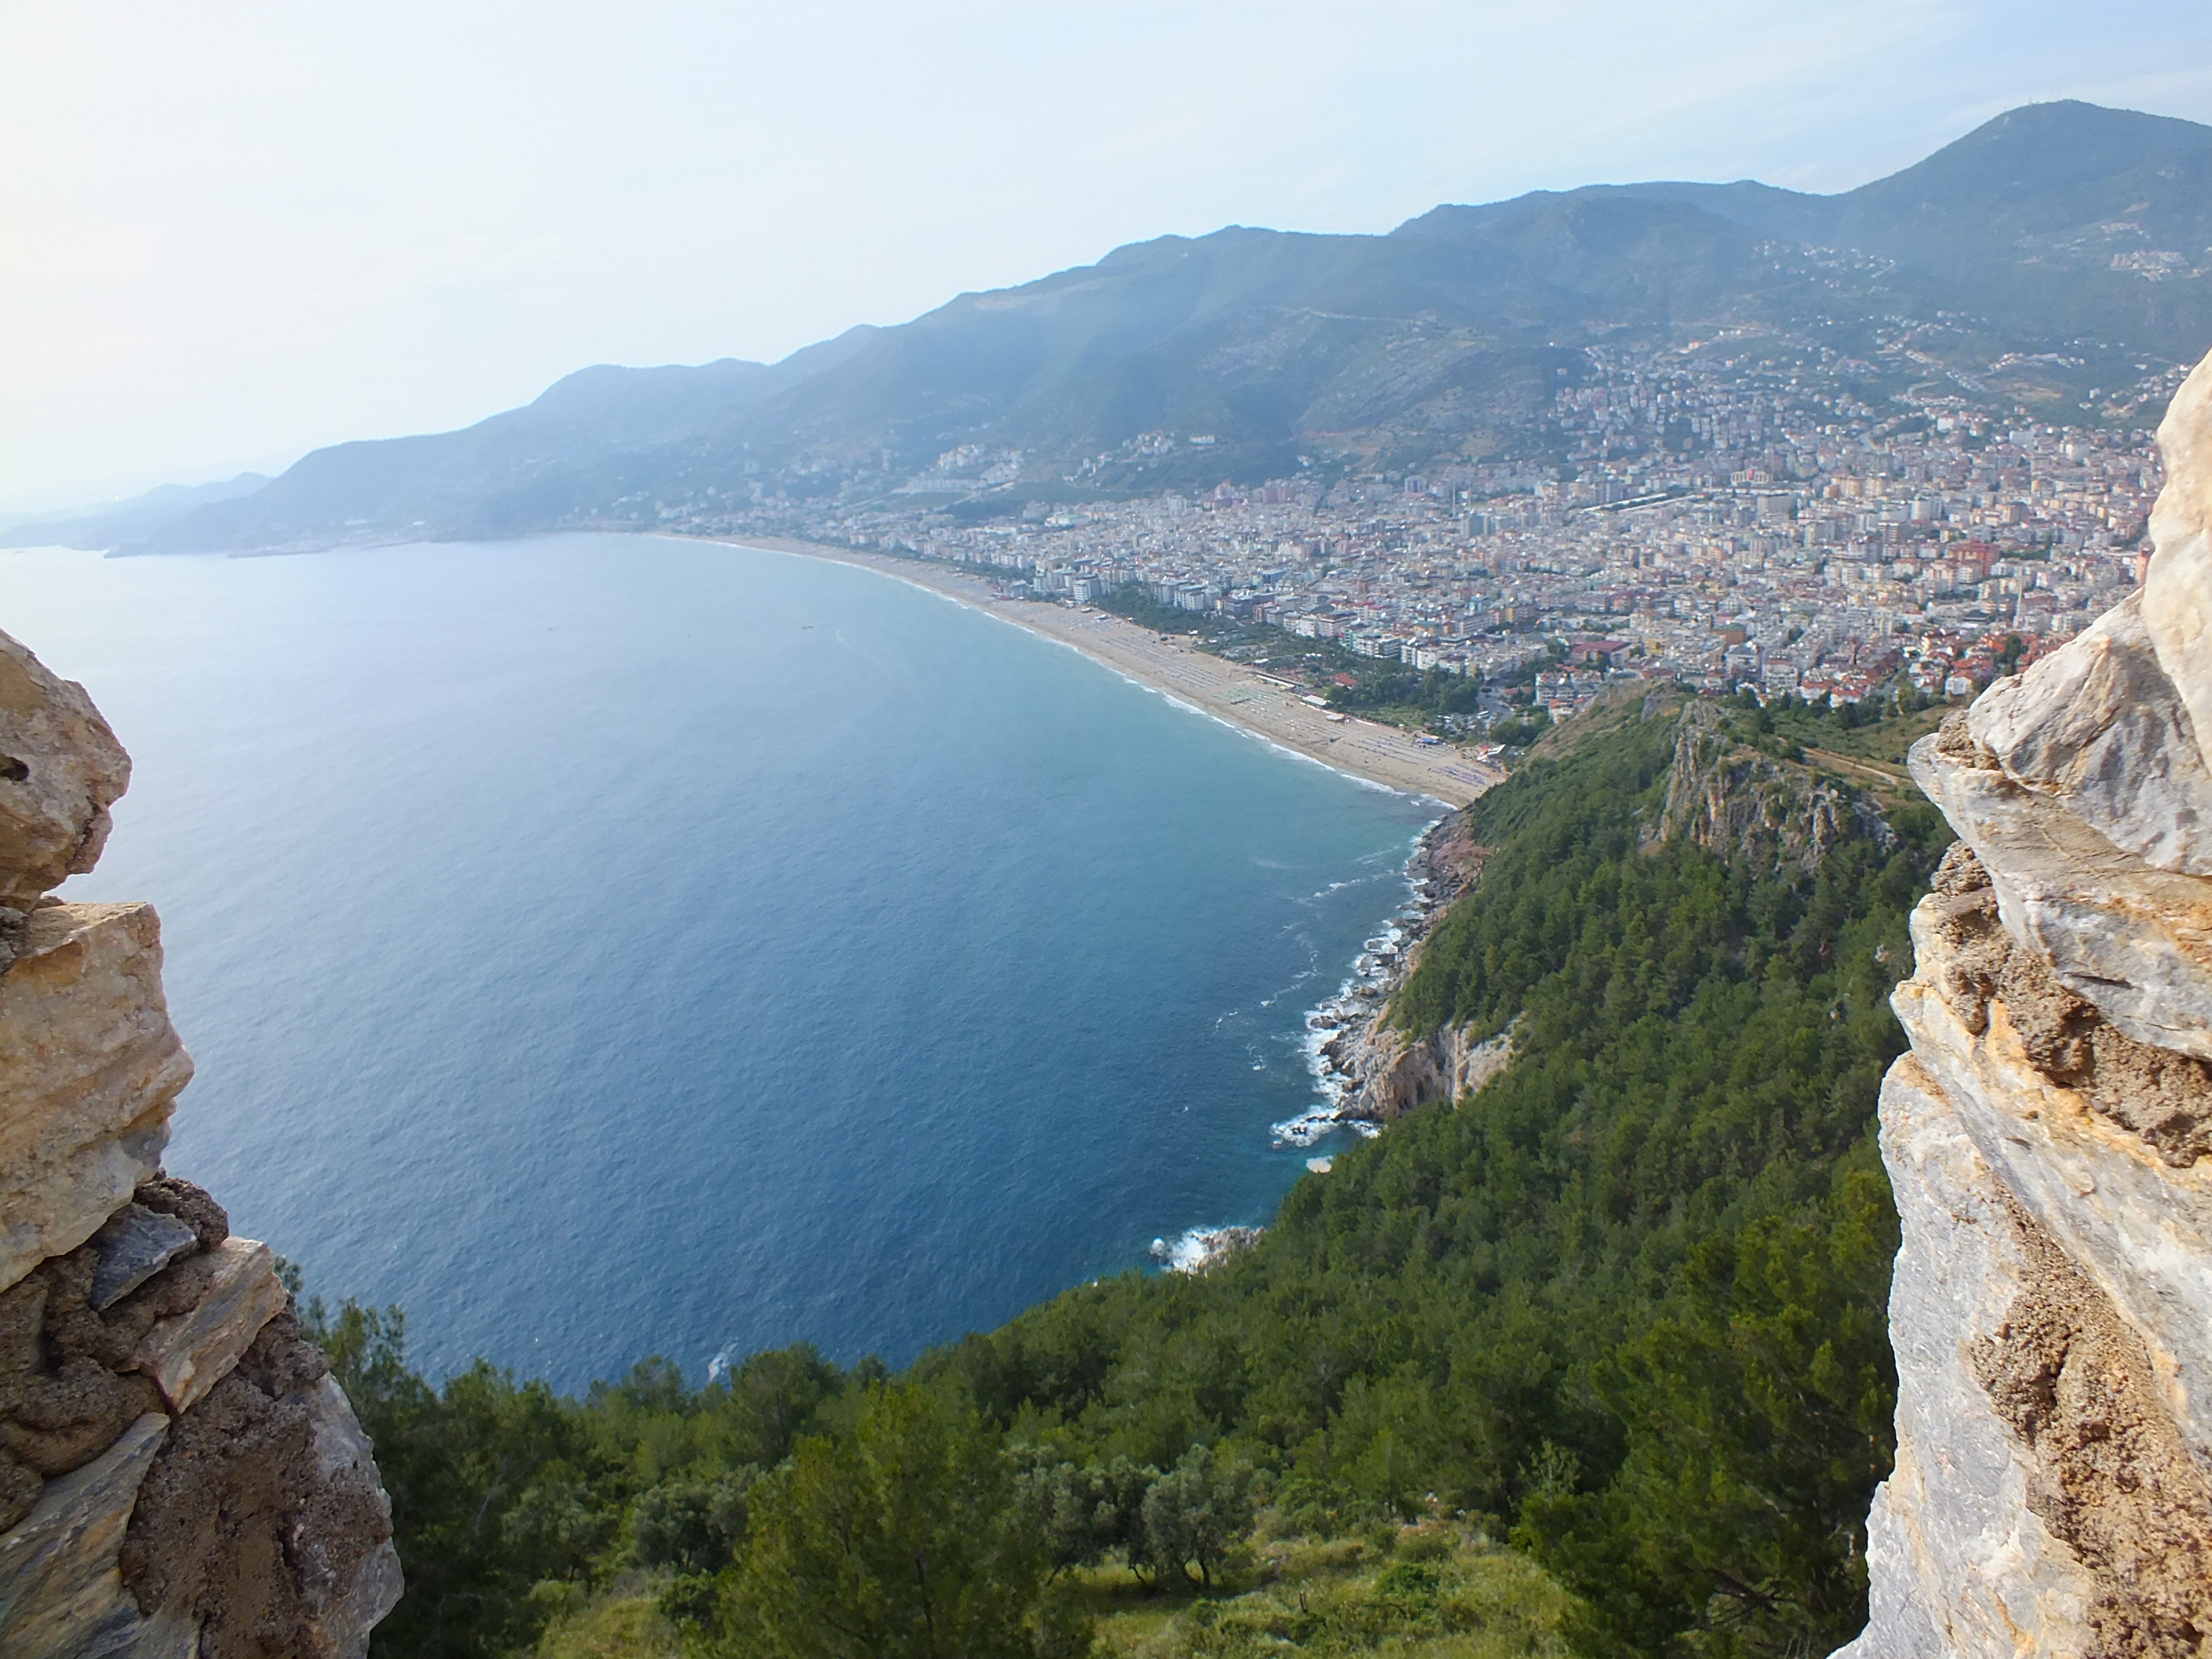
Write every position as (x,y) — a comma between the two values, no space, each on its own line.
(1592,1360)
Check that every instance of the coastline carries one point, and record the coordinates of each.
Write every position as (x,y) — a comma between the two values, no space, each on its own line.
(1357,1084)
(1359,1067)
(1228,691)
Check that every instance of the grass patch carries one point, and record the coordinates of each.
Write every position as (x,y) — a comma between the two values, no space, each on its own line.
(625,1623)
(1426,1592)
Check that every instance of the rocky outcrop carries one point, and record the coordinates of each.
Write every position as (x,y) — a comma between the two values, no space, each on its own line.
(89,1071)
(61,768)
(1396,1071)
(1376,1071)
(2048,1140)
(1752,807)
(1723,794)
(179,1477)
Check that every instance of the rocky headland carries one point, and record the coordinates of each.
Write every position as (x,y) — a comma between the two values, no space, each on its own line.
(180,1478)
(1369,1070)
(1721,794)
(2047,1140)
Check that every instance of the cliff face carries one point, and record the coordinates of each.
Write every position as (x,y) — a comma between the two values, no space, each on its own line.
(1736,801)
(2047,1139)
(179,1475)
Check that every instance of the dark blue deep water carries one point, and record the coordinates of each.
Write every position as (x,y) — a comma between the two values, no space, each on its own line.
(603,947)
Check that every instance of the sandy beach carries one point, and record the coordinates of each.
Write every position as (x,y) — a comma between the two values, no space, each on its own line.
(1227,690)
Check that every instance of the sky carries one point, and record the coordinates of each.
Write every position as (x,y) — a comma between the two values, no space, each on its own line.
(232,231)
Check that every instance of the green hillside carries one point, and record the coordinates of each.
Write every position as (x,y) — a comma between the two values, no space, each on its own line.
(1616,1321)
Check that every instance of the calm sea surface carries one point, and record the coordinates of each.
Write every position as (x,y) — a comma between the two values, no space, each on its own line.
(603,947)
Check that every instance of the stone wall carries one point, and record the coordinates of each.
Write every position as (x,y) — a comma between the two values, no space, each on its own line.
(2048,1139)
(179,1477)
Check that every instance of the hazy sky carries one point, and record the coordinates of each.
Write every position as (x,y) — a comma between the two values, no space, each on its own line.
(231,232)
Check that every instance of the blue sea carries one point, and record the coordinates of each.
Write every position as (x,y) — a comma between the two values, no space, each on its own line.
(606,946)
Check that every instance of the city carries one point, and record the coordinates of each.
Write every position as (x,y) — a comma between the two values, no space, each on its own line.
(1730,513)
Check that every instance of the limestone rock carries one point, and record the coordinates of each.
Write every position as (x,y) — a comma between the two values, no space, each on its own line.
(2042,1502)
(61,768)
(89,1070)
(348,1596)
(2098,727)
(133,1245)
(2178,587)
(2049,1140)
(1899,1623)
(2137,1227)
(1393,1072)
(61,1596)
(1970,1562)
(179,1477)
(2133,939)
(189,1353)
(1724,796)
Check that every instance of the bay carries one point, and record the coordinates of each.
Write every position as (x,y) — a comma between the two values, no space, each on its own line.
(601,946)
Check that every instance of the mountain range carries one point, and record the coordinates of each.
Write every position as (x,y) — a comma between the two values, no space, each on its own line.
(2055,249)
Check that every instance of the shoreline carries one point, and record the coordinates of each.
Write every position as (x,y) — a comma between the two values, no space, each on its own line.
(1209,685)
(1345,1033)
(1341,1029)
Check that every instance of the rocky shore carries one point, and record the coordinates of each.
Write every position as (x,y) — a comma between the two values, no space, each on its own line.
(1368,1070)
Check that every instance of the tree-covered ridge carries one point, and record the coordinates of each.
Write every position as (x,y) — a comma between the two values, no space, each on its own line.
(1623,1307)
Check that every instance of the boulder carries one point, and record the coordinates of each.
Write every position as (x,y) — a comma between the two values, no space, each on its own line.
(89,1071)
(61,768)
(2099,729)
(189,1353)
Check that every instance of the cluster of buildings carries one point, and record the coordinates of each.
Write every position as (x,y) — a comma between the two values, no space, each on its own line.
(1733,513)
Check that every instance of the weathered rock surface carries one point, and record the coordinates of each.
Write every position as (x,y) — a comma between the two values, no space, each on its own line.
(346,1591)
(133,1245)
(1973,1568)
(1749,807)
(2050,1142)
(2177,588)
(2133,939)
(190,1352)
(2097,1184)
(61,768)
(89,1071)
(263,1513)
(1398,1071)
(61,1595)
(2099,729)
(179,1477)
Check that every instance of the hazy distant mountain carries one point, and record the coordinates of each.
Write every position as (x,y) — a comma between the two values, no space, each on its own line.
(584,440)
(2058,225)
(120,522)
